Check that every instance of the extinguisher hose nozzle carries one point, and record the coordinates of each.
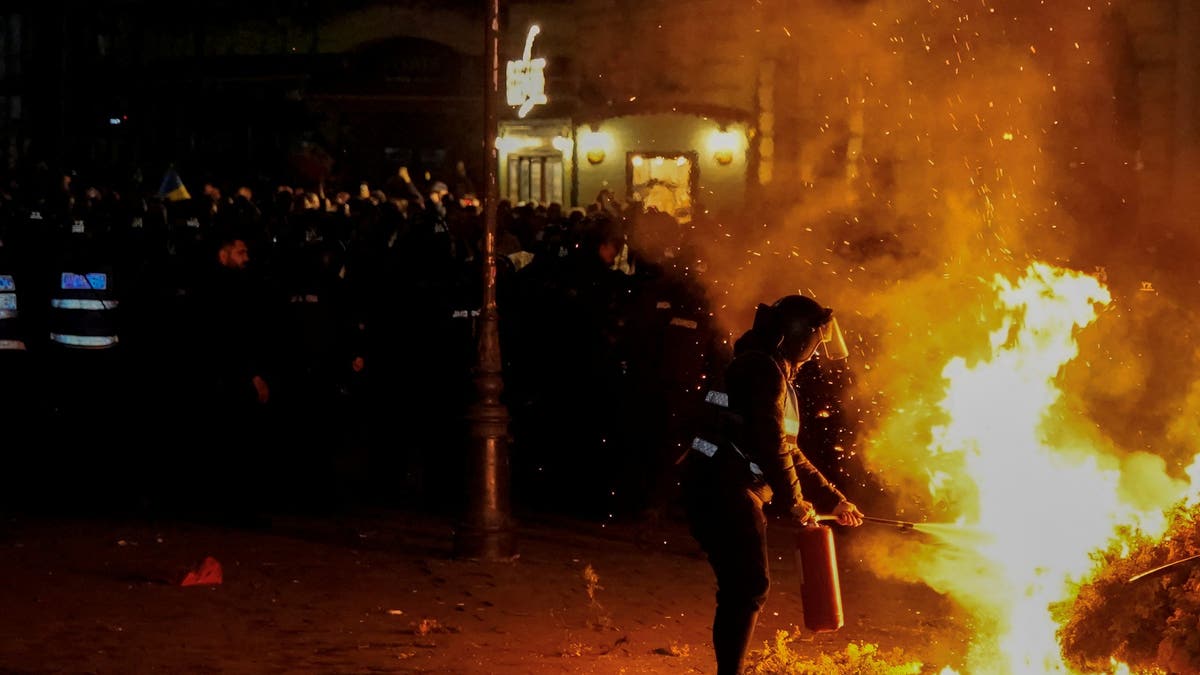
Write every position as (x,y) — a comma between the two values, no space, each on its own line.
(902,524)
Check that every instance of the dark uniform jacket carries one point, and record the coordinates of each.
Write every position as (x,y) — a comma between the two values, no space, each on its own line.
(233,338)
(765,408)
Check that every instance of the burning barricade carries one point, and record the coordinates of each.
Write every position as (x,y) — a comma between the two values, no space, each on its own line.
(1035,489)
(1142,607)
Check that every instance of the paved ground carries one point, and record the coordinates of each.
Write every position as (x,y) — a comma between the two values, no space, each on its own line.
(376,591)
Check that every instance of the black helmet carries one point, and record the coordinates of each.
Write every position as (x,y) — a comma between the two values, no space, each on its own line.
(799,315)
(798,325)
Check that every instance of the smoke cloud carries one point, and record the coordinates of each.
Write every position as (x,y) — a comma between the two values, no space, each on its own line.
(948,142)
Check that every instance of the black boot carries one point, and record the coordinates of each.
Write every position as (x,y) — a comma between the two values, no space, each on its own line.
(732,628)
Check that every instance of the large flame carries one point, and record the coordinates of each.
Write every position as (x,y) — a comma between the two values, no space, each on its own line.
(1029,479)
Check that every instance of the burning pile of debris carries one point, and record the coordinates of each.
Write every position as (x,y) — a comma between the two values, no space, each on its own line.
(1140,608)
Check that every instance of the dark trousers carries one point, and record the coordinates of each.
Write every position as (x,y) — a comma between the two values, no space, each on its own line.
(88,428)
(732,530)
(23,431)
(231,478)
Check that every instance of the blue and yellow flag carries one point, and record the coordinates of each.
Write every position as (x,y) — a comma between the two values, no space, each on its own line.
(172,187)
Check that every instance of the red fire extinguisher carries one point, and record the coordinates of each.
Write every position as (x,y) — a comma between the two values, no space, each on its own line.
(820,589)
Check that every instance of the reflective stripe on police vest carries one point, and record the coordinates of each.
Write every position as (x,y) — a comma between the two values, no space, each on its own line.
(685,323)
(662,304)
(719,398)
(90,341)
(77,303)
(704,447)
(11,345)
(8,305)
(92,281)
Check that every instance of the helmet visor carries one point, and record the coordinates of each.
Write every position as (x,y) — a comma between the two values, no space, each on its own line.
(832,341)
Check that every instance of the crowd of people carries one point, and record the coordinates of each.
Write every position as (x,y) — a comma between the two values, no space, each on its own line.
(239,353)
(254,346)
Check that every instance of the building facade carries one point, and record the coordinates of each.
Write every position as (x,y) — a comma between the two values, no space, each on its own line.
(698,107)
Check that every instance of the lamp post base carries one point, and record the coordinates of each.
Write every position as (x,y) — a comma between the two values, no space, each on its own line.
(486,531)
(497,544)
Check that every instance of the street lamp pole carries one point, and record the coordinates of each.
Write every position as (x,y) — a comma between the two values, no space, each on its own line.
(486,530)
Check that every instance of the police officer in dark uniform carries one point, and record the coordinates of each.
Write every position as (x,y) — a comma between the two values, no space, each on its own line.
(587,323)
(85,355)
(12,334)
(749,457)
(319,348)
(15,396)
(29,240)
(32,240)
(83,303)
(669,345)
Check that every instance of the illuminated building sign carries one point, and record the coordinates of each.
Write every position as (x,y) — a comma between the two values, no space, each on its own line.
(527,78)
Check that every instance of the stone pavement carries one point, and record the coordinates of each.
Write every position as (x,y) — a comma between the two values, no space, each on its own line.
(376,591)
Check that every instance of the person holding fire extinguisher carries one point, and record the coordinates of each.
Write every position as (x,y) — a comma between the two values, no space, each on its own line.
(749,456)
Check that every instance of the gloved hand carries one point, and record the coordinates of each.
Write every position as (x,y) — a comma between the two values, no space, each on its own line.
(804,513)
(848,514)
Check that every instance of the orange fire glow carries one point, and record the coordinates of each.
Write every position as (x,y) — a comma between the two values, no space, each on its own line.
(1033,489)
(1029,411)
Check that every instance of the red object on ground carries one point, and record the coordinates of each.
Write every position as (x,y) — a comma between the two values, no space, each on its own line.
(820,589)
(207,574)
